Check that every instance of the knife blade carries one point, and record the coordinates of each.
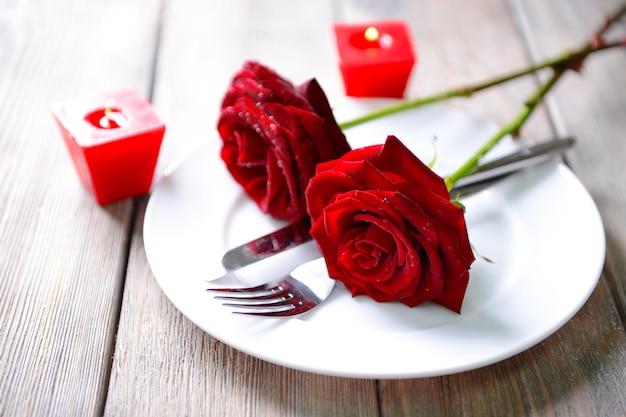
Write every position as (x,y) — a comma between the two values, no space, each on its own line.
(485,175)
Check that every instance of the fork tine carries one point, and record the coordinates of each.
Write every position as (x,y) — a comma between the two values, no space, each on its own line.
(278,305)
(267,308)
(276,313)
(249,297)
(282,311)
(262,300)
(293,310)
(262,287)
(250,293)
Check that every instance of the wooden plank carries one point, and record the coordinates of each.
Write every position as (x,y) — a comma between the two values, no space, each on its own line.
(163,364)
(62,258)
(580,369)
(592,106)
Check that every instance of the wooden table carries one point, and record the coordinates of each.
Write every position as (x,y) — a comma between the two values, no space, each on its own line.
(84,328)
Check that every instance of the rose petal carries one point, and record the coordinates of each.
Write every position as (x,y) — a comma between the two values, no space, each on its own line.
(324,187)
(261,111)
(373,224)
(453,299)
(396,158)
(415,215)
(338,145)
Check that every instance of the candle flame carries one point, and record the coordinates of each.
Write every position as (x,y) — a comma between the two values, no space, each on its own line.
(112,118)
(371,34)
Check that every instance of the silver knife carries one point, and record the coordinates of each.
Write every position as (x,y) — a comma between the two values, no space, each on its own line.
(485,175)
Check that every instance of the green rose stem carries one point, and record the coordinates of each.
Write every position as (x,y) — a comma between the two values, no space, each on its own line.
(510,128)
(564,60)
(513,127)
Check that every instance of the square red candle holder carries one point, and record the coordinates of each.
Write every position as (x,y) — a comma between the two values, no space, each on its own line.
(114,141)
(375,58)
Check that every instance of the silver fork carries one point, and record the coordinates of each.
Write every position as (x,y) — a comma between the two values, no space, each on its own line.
(303,289)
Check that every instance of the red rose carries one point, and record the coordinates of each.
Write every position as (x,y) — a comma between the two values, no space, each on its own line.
(274,134)
(387,228)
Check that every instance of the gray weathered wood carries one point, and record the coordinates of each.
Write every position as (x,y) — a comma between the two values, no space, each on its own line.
(62,257)
(85,328)
(199,375)
(544,379)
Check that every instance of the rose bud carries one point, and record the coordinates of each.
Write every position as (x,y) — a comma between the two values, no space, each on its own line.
(387,229)
(274,134)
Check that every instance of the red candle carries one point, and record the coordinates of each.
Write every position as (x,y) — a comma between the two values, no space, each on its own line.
(375,58)
(114,141)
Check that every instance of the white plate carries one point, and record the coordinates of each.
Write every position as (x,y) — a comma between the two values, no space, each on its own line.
(541,229)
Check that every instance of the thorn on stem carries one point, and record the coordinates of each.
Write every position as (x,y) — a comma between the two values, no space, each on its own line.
(596,41)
